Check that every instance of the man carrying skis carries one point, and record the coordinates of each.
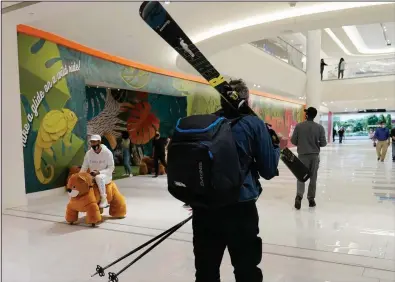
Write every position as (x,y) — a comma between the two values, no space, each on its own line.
(237,226)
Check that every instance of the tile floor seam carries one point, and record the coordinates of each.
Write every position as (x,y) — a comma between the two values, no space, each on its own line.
(190,233)
(190,241)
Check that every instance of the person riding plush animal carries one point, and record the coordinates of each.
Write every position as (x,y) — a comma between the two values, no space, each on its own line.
(100,161)
(147,166)
(85,196)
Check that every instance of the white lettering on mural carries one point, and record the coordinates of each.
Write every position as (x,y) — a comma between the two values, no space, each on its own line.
(39,97)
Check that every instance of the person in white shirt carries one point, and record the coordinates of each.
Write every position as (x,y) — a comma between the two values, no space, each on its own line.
(100,161)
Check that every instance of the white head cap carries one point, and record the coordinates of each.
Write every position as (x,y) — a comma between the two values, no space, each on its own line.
(95,138)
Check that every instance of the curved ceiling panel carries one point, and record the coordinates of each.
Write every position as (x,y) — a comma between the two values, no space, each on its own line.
(332,19)
(376,32)
(267,17)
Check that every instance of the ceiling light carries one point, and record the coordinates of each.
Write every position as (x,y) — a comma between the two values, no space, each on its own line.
(259,86)
(331,102)
(167,2)
(254,85)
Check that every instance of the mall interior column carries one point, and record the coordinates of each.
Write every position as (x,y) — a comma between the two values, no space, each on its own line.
(313,58)
(13,178)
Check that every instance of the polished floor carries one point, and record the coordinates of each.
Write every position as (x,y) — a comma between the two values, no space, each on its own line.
(348,237)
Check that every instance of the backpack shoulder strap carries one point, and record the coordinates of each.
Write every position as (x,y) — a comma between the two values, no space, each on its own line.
(234,121)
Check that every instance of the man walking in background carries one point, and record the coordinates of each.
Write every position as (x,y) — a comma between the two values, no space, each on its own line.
(341,135)
(393,143)
(309,137)
(382,135)
(159,147)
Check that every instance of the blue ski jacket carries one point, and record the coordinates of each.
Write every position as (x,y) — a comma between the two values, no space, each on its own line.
(252,136)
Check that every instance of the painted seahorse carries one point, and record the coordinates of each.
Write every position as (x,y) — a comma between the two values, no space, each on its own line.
(57,124)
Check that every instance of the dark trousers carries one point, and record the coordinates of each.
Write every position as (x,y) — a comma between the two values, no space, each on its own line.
(235,227)
(341,139)
(340,74)
(162,159)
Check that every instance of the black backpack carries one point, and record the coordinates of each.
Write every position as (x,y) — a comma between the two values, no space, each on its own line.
(205,168)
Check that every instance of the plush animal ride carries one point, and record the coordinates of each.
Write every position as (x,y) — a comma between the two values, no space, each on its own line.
(85,196)
(73,170)
(148,166)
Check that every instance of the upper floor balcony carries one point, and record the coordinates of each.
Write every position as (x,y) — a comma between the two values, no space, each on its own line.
(361,69)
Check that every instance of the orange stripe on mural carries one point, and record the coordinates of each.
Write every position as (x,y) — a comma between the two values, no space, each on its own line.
(28,30)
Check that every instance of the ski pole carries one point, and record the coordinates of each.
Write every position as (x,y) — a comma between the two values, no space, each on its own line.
(100,270)
(113,277)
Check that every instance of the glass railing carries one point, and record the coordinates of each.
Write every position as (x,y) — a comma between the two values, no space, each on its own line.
(279,48)
(361,69)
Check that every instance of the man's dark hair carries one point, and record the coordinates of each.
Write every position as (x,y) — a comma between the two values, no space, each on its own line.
(242,90)
(311,113)
(125,135)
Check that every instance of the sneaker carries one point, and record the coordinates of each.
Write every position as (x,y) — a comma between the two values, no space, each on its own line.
(103,203)
(155,176)
(130,175)
(378,159)
(298,202)
(312,203)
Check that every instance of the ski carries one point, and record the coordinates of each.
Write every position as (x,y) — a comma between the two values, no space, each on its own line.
(156,16)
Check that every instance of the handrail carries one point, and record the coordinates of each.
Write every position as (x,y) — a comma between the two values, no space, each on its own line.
(296,49)
(281,49)
(358,69)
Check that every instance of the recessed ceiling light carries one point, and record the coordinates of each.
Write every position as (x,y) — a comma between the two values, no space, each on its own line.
(331,102)
(259,86)
(385,99)
(167,2)
(254,85)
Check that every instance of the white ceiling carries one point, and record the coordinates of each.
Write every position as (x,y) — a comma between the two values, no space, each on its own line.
(371,37)
(372,34)
(120,31)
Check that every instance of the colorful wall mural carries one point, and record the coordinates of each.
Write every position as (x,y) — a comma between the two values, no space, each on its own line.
(62,106)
